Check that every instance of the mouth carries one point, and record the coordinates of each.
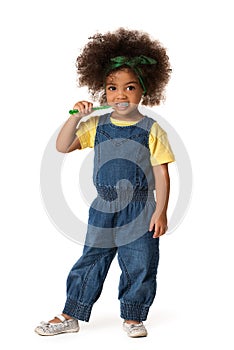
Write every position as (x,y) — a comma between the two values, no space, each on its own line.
(122,105)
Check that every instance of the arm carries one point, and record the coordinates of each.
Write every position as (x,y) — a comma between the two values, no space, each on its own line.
(67,141)
(162,185)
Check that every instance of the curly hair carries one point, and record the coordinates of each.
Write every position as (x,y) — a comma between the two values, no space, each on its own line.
(94,60)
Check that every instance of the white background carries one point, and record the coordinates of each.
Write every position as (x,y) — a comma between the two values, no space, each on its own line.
(39,44)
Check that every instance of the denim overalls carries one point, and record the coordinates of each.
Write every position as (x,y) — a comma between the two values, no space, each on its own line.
(118,223)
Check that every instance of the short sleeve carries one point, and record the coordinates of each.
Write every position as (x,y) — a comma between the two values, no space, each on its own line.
(159,145)
(86,132)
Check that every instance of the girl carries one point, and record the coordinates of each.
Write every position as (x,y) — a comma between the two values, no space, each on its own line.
(132,152)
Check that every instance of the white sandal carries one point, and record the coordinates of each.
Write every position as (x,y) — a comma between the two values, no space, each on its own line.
(135,330)
(65,326)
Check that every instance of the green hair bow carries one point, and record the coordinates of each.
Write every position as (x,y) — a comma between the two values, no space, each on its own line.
(133,63)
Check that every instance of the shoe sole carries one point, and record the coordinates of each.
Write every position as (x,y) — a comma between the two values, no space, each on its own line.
(141,335)
(63,332)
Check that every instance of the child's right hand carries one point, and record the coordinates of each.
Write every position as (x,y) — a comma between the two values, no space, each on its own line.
(84,108)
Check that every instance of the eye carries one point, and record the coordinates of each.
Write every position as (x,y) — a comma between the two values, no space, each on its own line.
(111,88)
(131,88)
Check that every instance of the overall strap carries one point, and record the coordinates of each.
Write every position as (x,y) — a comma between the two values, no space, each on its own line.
(147,123)
(104,119)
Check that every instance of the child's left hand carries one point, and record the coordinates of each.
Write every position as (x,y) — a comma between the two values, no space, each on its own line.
(158,223)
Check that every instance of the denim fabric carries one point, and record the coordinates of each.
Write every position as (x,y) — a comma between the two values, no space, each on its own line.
(123,153)
(138,261)
(118,223)
(124,181)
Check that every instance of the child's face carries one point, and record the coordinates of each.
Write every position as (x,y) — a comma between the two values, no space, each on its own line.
(123,91)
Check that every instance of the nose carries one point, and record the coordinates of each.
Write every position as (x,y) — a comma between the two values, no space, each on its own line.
(121,94)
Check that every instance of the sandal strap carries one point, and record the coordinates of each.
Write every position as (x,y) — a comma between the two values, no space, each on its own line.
(61,318)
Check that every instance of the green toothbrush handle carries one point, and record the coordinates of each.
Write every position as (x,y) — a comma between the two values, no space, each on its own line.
(74,111)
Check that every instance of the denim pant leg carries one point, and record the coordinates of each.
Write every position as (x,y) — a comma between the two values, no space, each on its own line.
(138,261)
(85,281)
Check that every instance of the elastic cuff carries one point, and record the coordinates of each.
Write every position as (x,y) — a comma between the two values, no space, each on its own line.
(76,310)
(133,311)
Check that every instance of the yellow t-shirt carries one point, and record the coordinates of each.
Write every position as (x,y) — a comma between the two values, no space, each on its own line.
(159,146)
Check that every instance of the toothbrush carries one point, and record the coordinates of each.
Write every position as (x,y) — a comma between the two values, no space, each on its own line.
(74,111)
